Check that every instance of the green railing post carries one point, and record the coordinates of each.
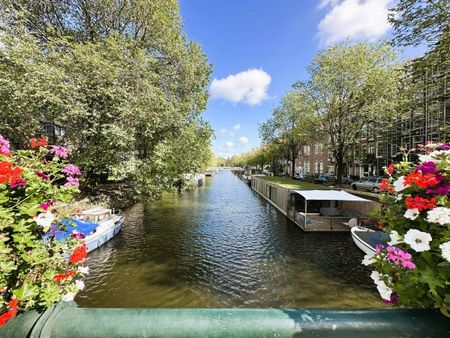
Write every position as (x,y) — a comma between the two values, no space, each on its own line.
(65,320)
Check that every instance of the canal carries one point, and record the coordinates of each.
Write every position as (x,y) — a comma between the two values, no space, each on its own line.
(222,245)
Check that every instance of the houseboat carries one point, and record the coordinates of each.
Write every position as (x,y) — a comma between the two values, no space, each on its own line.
(314,208)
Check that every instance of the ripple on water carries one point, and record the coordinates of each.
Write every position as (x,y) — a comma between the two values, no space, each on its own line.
(224,246)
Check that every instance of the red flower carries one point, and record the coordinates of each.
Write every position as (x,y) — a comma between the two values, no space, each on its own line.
(41,142)
(421,180)
(390,168)
(13,308)
(59,277)
(385,186)
(79,254)
(10,174)
(420,203)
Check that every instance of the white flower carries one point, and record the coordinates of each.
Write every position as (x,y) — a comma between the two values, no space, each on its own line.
(412,213)
(80,284)
(68,297)
(395,238)
(375,275)
(398,197)
(439,215)
(445,248)
(399,184)
(45,219)
(83,269)
(418,240)
(383,289)
(368,259)
(427,158)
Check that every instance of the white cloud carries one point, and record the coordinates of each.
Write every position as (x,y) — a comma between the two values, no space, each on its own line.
(223,131)
(356,19)
(249,87)
(243,140)
(230,144)
(236,127)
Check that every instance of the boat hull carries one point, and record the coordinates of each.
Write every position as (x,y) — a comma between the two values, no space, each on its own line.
(96,240)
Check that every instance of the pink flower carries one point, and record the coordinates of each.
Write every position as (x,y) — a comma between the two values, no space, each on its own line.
(17,184)
(4,146)
(45,177)
(71,170)
(72,182)
(400,257)
(394,299)
(59,151)
(45,206)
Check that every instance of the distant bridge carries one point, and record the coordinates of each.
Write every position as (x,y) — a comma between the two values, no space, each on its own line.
(224,168)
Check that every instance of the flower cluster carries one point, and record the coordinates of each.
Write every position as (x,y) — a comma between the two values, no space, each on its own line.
(35,269)
(416,215)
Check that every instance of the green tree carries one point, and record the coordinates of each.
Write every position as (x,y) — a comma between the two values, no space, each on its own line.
(292,126)
(120,76)
(351,86)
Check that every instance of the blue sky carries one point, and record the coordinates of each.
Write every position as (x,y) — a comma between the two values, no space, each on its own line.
(259,48)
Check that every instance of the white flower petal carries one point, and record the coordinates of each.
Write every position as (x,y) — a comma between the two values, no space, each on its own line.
(68,297)
(445,249)
(80,284)
(399,184)
(418,240)
(395,238)
(412,214)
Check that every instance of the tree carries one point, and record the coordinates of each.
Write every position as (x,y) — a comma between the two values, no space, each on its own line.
(120,76)
(291,127)
(420,21)
(351,86)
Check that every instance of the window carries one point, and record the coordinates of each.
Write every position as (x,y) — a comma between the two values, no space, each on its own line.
(316,148)
(306,167)
(306,150)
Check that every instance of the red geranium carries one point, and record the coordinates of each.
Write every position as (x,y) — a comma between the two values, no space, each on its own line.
(59,277)
(390,168)
(420,203)
(41,142)
(421,180)
(385,186)
(79,254)
(9,173)
(13,308)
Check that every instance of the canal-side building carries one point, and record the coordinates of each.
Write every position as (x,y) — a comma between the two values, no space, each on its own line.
(313,207)
(315,159)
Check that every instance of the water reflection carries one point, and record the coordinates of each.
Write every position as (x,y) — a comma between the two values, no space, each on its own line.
(224,246)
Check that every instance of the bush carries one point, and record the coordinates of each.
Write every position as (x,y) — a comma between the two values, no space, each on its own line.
(414,269)
(36,272)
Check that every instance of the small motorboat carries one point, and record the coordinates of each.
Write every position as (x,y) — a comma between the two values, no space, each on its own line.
(96,226)
(108,223)
(367,239)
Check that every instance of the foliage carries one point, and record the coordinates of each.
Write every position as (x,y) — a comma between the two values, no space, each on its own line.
(350,87)
(120,77)
(35,273)
(414,270)
(291,127)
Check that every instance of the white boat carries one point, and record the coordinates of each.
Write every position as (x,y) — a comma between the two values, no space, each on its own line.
(108,223)
(367,239)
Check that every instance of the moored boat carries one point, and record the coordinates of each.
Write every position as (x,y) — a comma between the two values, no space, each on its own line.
(96,227)
(367,239)
(109,224)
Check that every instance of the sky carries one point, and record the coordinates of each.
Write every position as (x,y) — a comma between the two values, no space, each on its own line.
(260,48)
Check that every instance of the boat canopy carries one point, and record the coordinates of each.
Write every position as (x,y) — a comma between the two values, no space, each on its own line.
(329,195)
(70,225)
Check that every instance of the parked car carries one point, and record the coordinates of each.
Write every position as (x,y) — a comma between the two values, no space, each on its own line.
(368,184)
(346,179)
(299,176)
(324,179)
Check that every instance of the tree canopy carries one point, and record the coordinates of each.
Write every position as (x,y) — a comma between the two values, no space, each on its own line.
(120,76)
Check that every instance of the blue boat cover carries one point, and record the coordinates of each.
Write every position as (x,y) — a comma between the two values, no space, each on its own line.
(70,225)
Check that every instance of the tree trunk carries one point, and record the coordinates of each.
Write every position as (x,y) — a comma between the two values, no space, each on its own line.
(293,164)
(340,167)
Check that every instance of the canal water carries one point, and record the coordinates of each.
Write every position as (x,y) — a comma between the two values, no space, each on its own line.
(222,245)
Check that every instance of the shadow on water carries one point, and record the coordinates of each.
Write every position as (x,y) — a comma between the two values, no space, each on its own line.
(222,245)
